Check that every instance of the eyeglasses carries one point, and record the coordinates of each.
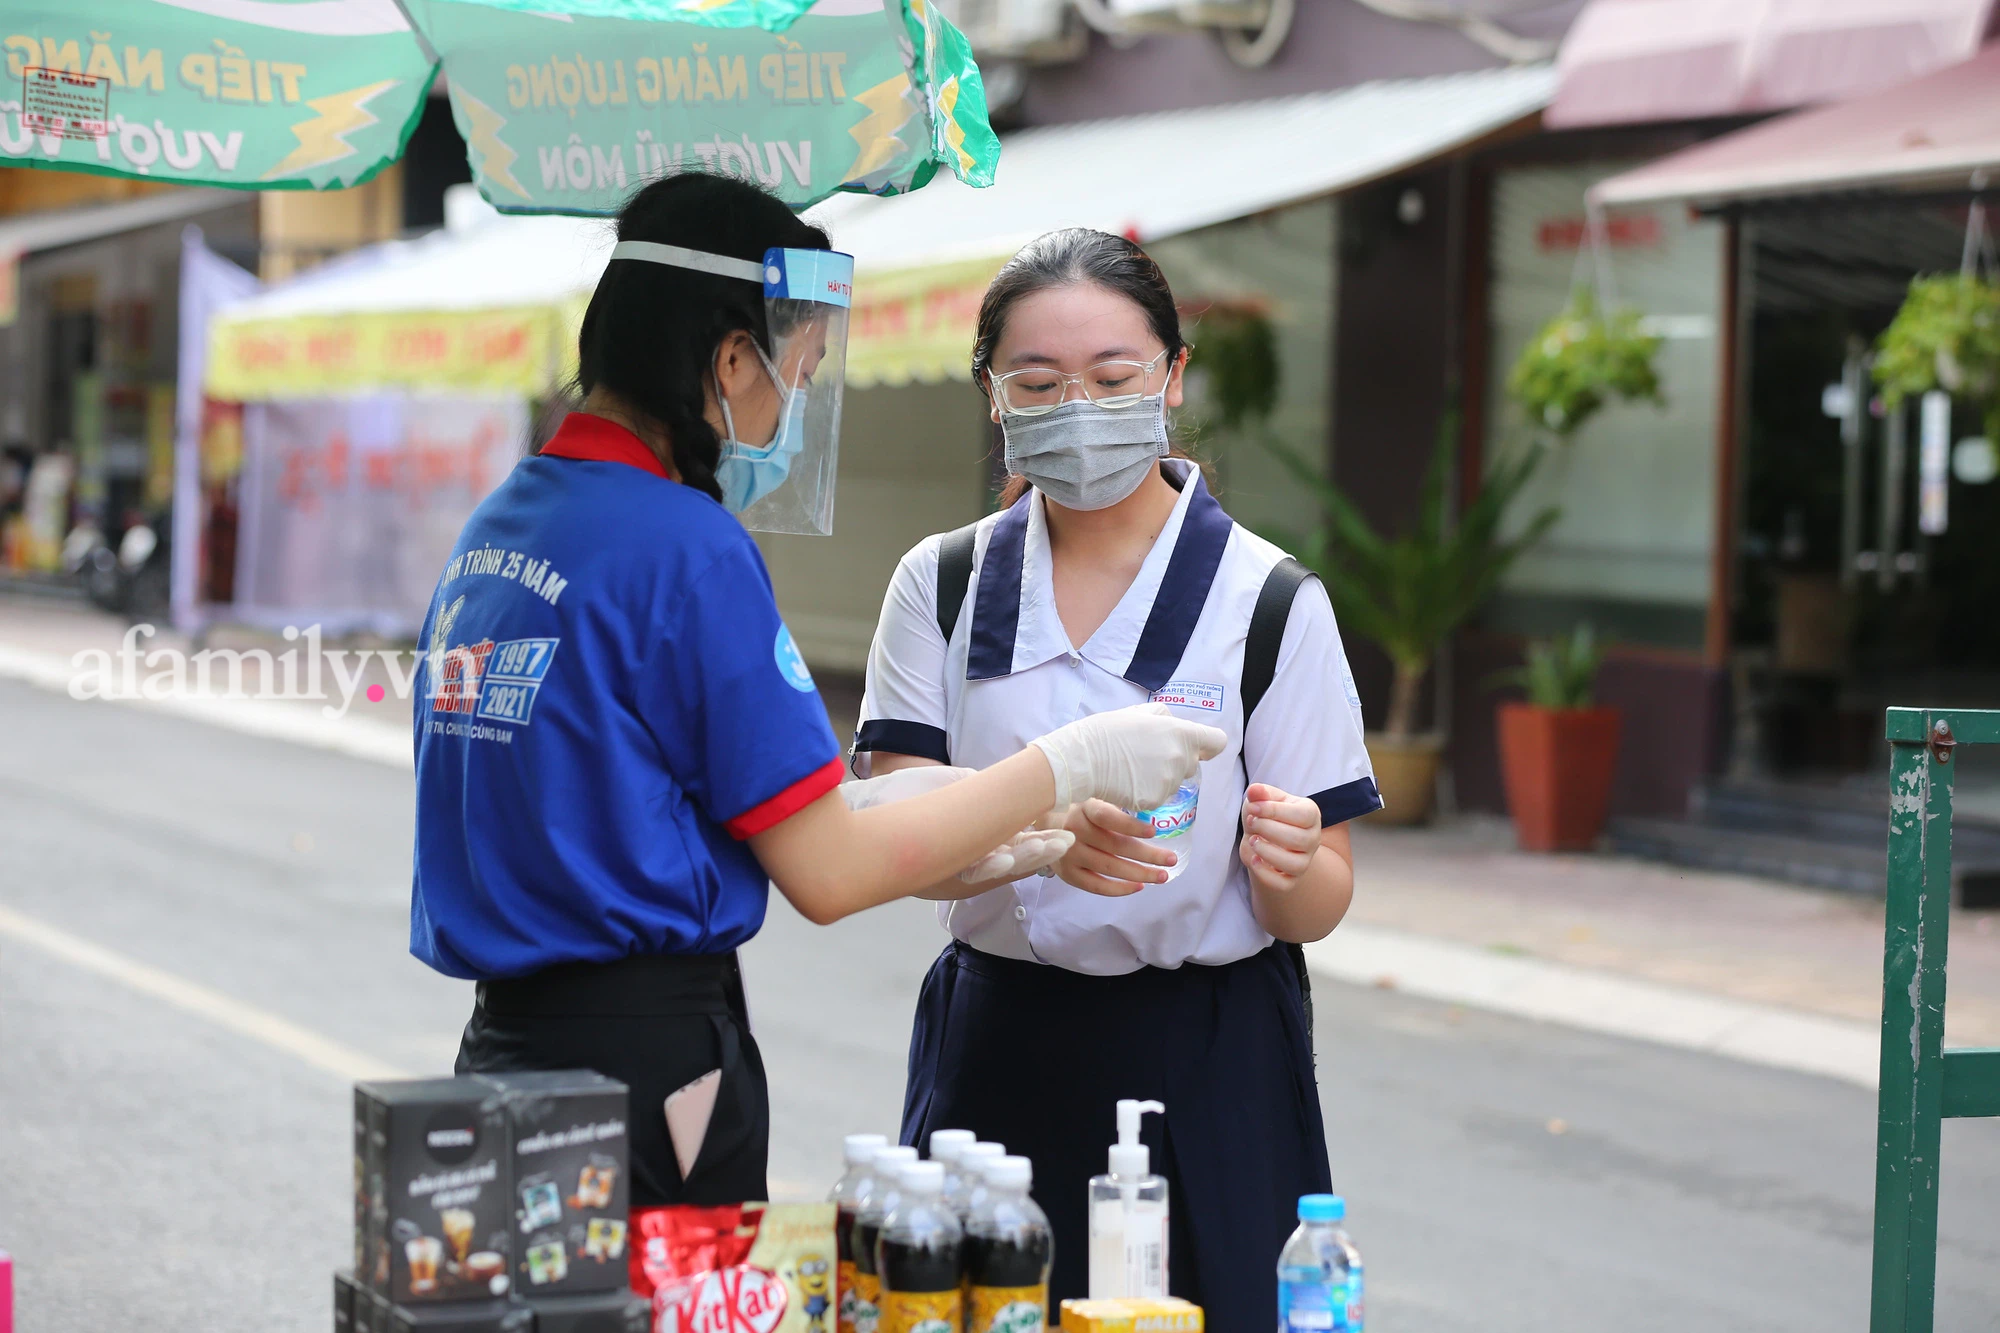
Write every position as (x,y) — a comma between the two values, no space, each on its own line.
(1111,385)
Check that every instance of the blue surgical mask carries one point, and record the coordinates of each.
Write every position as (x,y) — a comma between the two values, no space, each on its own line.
(749,472)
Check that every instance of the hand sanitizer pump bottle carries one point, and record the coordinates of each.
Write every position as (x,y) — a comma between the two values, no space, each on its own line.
(1128,1217)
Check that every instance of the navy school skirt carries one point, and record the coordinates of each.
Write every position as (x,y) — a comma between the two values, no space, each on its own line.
(1035,1057)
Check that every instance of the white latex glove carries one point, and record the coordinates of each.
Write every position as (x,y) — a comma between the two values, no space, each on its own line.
(900,785)
(1132,757)
(1026,853)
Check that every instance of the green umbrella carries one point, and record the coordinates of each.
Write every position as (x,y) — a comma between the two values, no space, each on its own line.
(566,106)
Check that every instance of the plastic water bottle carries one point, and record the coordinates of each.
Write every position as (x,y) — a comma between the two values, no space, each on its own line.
(1172,823)
(1319,1272)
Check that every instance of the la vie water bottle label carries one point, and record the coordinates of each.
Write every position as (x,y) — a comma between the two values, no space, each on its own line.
(1321,1307)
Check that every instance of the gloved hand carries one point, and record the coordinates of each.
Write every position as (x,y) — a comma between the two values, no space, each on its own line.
(1132,757)
(1025,853)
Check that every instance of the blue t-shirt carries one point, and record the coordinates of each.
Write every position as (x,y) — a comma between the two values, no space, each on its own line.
(609,706)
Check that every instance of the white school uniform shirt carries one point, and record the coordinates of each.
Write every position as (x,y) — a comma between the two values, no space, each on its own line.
(1009,674)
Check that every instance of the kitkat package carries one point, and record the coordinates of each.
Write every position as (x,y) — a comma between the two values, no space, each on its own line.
(738,1268)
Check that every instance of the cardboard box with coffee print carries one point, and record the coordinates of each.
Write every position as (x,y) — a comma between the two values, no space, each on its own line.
(436,1222)
(568,1162)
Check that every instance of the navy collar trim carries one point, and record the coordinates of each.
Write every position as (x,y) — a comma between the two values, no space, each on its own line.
(1183,592)
(996,610)
(1177,607)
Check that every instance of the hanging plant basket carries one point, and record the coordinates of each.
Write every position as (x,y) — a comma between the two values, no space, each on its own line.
(1946,336)
(1582,359)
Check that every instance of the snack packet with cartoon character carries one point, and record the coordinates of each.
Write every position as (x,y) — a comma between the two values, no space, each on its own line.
(737,1268)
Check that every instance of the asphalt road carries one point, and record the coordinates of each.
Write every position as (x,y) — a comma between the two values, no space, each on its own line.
(160,1169)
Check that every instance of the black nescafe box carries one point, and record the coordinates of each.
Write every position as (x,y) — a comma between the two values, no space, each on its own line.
(570,1196)
(482,1316)
(433,1220)
(593,1312)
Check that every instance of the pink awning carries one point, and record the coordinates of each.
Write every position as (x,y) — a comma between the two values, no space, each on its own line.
(1625,61)
(1934,131)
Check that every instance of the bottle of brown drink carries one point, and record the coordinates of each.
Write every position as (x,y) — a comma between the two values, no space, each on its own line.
(918,1256)
(877,1195)
(1008,1248)
(847,1196)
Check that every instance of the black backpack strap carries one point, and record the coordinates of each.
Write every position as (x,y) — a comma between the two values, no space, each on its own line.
(1267,631)
(954,575)
(1260,668)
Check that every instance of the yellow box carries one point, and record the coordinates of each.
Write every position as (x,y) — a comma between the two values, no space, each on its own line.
(1131,1316)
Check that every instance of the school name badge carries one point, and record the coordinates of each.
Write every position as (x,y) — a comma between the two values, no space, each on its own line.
(1194,695)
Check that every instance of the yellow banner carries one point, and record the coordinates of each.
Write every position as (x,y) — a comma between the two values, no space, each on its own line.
(917,324)
(524,351)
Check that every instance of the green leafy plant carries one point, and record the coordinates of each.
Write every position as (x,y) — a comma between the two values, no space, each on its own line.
(1559,673)
(1945,336)
(1579,361)
(1237,350)
(1408,592)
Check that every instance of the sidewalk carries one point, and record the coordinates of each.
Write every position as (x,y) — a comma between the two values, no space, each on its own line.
(1456,903)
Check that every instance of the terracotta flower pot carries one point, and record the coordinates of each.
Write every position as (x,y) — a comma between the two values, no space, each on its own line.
(1558,765)
(1406,774)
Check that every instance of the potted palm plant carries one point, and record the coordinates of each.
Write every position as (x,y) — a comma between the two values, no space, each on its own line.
(1407,593)
(1558,749)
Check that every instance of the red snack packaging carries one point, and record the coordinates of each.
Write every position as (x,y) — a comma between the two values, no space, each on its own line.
(737,1268)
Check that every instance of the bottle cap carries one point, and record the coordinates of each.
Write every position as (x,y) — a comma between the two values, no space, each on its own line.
(1009,1173)
(889,1158)
(1322,1208)
(924,1179)
(973,1157)
(859,1148)
(945,1143)
(1129,1157)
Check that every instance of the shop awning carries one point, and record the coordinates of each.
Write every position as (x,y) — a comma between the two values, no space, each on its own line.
(1932,132)
(923,260)
(1625,61)
(488,305)
(31,232)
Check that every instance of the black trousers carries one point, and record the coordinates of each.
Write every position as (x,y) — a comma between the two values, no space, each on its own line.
(656,1025)
(1036,1057)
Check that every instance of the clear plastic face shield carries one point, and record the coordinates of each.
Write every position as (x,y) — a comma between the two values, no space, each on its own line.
(781,479)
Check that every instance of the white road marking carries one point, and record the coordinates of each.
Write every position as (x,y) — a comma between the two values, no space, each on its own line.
(1599,1002)
(268,719)
(246,1020)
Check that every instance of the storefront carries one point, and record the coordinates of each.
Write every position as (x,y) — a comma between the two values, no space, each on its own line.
(88,347)
(1848,542)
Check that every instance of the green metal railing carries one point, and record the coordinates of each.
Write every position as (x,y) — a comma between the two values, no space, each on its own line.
(1923,1084)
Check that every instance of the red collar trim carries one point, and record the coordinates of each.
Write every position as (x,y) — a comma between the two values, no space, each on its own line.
(597,440)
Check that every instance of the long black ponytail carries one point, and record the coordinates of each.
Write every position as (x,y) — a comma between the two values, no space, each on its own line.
(650,333)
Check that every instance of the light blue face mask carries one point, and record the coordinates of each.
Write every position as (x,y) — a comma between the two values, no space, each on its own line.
(749,472)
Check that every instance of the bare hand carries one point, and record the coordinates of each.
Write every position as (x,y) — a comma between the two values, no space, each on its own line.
(1114,853)
(1280,836)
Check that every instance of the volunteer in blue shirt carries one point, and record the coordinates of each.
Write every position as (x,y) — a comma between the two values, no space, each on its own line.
(620,746)
(1112,576)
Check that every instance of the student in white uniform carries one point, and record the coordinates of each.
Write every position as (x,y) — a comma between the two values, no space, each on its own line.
(1111,576)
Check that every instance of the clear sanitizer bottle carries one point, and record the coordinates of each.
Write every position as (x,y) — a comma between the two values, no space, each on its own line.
(1128,1217)
(1319,1272)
